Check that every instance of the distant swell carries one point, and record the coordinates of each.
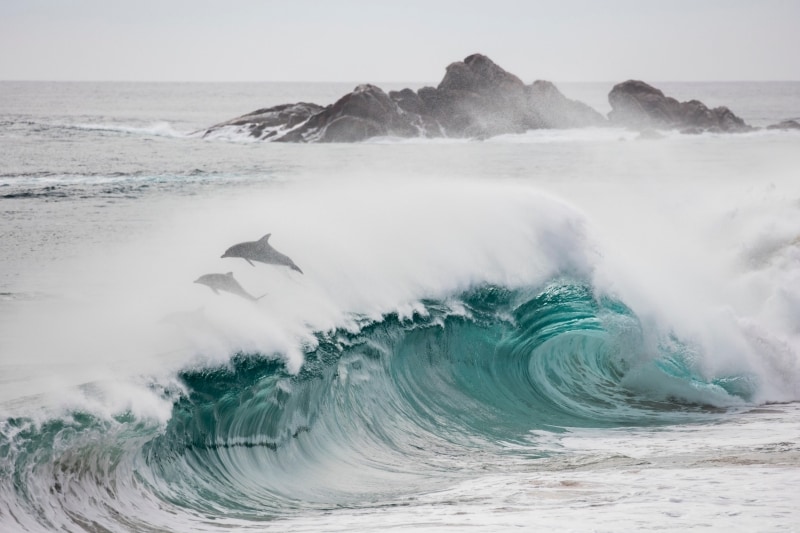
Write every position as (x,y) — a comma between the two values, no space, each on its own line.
(56,186)
(157,129)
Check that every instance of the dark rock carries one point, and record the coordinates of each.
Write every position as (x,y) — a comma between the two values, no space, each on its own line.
(727,121)
(785,125)
(408,101)
(268,122)
(557,111)
(364,113)
(479,74)
(411,102)
(466,114)
(459,77)
(476,98)
(698,115)
(638,105)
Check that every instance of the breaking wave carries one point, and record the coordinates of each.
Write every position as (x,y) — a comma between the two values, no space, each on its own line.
(420,365)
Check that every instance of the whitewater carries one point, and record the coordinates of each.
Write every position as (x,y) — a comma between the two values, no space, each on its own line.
(575,330)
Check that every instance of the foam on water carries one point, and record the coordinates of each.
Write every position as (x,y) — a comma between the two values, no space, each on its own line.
(408,242)
(157,129)
(412,240)
(555,328)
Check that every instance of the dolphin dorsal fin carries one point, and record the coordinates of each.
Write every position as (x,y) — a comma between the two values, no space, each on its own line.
(265,238)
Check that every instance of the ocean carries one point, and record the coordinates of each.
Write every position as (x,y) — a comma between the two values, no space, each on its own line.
(567,330)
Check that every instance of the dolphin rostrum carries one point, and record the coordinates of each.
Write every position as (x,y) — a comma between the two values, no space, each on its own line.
(226,283)
(262,251)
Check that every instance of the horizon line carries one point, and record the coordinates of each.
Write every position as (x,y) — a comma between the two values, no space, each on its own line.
(393,82)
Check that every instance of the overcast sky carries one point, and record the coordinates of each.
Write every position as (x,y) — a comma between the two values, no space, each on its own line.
(398,40)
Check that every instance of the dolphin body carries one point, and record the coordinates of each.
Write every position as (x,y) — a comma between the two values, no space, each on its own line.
(261,251)
(225,283)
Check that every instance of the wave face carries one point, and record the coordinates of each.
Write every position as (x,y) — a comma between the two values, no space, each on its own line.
(399,404)
(441,332)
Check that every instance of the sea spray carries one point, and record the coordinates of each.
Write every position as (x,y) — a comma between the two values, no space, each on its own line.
(518,331)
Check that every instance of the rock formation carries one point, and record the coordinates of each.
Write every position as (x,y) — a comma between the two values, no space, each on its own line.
(476,99)
(269,122)
(557,111)
(635,104)
(785,125)
(364,113)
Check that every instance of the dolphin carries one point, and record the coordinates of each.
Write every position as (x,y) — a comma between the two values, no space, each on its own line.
(261,251)
(226,283)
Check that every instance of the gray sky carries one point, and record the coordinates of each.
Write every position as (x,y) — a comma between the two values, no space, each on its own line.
(398,40)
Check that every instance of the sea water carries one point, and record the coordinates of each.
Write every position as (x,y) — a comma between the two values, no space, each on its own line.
(573,330)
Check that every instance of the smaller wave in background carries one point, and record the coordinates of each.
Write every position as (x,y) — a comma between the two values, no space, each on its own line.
(58,127)
(156,129)
(54,187)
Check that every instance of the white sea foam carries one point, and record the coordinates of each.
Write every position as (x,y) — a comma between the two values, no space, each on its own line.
(410,241)
(372,247)
(155,129)
(697,234)
(239,134)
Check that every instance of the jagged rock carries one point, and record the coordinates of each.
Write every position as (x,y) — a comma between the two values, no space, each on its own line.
(476,98)
(411,102)
(479,74)
(785,125)
(698,115)
(557,111)
(639,105)
(268,122)
(364,113)
(408,101)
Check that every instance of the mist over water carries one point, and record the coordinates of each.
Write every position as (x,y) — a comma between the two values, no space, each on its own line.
(503,329)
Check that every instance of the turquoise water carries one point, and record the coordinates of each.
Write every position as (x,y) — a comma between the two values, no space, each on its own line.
(400,401)
(564,329)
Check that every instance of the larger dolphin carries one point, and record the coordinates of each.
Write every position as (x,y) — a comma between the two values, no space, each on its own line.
(261,251)
(226,283)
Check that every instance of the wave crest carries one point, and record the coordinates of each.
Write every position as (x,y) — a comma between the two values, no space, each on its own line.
(398,403)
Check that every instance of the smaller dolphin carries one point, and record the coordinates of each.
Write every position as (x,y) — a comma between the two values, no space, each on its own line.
(261,251)
(226,283)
